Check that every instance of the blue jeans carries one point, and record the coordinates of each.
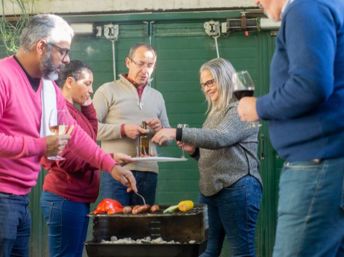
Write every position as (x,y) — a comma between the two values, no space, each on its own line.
(15,225)
(67,225)
(146,185)
(311,210)
(233,212)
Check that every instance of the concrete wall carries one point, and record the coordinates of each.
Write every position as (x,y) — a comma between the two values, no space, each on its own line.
(86,6)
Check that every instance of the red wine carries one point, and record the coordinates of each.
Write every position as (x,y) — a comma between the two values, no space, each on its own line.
(242,93)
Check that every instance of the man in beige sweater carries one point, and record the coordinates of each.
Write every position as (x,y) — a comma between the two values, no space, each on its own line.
(121,107)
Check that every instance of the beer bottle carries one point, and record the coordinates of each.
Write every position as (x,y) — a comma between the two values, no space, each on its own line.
(144,141)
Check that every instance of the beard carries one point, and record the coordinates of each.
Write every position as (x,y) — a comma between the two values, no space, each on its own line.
(49,70)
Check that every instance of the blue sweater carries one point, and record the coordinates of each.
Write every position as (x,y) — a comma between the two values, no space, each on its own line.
(305,105)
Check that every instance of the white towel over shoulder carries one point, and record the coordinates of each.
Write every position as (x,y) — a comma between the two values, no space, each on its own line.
(48,96)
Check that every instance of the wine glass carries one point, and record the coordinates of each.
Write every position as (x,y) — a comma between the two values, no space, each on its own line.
(57,127)
(183,126)
(243,86)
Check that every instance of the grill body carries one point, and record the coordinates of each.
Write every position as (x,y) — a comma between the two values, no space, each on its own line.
(188,229)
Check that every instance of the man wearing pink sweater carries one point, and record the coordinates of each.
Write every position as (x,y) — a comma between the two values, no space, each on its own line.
(44,49)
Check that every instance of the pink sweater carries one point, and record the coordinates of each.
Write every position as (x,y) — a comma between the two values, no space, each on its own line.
(20,144)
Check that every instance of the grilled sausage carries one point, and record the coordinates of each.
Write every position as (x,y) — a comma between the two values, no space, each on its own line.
(155,208)
(140,209)
(127,209)
(135,208)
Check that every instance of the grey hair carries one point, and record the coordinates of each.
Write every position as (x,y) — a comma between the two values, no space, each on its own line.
(138,45)
(221,71)
(50,27)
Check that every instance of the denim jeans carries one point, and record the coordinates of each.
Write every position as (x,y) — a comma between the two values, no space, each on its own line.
(233,212)
(15,225)
(311,210)
(67,225)
(146,185)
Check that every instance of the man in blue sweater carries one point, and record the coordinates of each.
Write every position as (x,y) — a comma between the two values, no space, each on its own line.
(305,110)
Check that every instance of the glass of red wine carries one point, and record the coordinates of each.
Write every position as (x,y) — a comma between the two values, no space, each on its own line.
(243,86)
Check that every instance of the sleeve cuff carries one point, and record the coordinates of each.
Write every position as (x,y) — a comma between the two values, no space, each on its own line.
(108,163)
(36,146)
(179,134)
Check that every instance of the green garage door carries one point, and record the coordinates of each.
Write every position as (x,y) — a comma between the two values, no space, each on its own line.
(182,46)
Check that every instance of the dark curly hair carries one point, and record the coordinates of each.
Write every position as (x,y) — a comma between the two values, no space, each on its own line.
(72,69)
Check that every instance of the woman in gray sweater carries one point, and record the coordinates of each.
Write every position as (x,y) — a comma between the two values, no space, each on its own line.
(226,150)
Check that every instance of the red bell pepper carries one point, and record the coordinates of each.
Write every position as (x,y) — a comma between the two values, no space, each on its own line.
(108,206)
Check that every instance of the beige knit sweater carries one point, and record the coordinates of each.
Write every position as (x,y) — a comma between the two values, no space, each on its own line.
(117,102)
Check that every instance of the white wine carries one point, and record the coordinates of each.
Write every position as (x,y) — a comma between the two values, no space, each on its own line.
(58,129)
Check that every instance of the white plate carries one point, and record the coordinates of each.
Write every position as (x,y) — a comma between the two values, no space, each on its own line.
(159,159)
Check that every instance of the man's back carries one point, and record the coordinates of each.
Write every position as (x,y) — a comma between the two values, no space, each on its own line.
(307,72)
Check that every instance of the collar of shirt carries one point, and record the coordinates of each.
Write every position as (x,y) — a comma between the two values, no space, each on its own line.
(138,87)
(33,81)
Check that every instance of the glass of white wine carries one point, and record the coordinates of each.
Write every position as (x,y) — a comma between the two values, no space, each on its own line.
(57,126)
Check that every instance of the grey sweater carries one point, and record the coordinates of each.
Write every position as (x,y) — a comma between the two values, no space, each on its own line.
(228,150)
(117,102)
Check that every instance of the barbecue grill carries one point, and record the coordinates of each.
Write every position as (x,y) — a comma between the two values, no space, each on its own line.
(187,231)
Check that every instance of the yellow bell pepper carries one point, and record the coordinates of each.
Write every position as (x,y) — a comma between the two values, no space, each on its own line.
(182,206)
(185,206)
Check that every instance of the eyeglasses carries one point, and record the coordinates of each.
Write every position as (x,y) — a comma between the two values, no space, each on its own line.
(63,51)
(209,83)
(142,64)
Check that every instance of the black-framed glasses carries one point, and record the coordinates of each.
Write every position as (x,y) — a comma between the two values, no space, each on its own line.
(142,64)
(63,51)
(209,83)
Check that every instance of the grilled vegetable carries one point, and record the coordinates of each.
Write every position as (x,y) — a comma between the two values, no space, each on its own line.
(108,206)
(185,206)
(182,206)
(171,209)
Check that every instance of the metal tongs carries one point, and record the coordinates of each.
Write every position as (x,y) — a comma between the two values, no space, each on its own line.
(141,196)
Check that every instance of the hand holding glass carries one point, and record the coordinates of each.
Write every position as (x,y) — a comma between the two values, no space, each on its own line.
(243,86)
(57,127)
(182,126)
